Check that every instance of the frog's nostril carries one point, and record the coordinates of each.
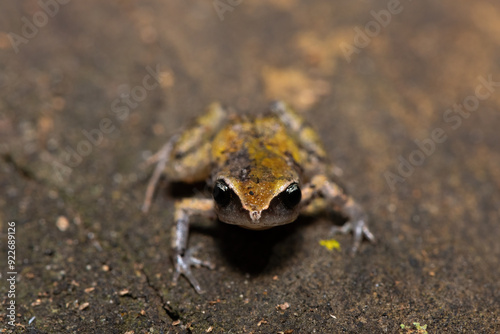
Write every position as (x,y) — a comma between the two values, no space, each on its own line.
(255,215)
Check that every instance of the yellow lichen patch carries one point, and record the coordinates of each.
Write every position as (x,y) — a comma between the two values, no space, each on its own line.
(418,328)
(330,244)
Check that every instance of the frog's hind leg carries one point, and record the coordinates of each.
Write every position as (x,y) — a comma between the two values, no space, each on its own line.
(313,155)
(161,157)
(186,156)
(300,129)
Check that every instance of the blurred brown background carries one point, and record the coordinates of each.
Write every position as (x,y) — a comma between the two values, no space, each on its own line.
(406,95)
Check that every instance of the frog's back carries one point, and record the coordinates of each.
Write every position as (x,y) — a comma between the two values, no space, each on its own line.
(263,139)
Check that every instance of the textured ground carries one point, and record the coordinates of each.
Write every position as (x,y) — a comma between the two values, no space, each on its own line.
(79,113)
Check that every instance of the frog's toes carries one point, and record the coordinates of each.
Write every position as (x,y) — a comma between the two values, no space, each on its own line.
(183,264)
(358,228)
(197,262)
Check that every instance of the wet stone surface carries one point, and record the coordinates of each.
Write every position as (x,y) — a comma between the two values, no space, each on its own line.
(404,94)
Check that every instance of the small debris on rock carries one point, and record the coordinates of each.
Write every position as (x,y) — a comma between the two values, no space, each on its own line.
(283,306)
(124,292)
(62,223)
(213,302)
(83,306)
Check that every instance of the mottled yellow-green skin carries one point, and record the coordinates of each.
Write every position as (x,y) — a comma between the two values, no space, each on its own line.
(259,159)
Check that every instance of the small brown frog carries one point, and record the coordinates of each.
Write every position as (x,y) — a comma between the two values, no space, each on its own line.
(263,170)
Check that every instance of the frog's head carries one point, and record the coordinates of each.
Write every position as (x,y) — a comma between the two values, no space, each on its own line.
(257,179)
(255,200)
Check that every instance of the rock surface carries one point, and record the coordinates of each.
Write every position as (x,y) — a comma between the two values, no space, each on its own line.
(398,90)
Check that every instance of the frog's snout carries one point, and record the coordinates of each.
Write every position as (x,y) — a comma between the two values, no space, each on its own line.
(255,215)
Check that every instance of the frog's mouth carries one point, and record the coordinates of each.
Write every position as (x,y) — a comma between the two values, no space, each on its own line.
(275,215)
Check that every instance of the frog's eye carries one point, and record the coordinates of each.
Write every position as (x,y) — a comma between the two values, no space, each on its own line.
(221,193)
(292,196)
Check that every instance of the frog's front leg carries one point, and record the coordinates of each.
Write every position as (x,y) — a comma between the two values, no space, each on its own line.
(182,256)
(321,186)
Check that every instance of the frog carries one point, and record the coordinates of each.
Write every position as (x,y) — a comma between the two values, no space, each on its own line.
(263,170)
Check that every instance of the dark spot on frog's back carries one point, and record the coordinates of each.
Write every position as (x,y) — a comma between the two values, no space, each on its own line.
(234,163)
(238,158)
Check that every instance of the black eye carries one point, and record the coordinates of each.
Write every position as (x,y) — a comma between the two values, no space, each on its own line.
(221,193)
(292,196)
